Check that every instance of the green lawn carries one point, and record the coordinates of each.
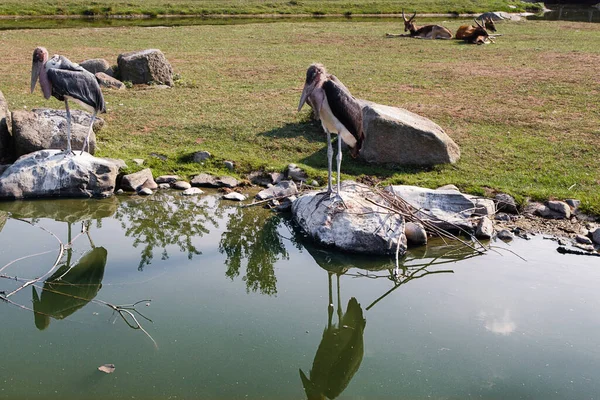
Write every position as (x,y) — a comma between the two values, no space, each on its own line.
(237,7)
(524,111)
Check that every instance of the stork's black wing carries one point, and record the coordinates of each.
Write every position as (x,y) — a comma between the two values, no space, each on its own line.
(80,85)
(346,109)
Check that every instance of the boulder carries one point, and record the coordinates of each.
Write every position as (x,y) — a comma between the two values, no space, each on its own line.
(167,179)
(45,128)
(485,228)
(506,203)
(359,227)
(107,81)
(397,136)
(48,173)
(96,65)
(447,209)
(138,180)
(6,150)
(208,180)
(145,66)
(201,156)
(415,234)
(282,189)
(560,207)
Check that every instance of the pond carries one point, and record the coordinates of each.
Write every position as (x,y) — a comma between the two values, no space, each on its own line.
(198,298)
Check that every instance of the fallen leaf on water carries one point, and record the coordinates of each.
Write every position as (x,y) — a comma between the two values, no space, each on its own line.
(107,368)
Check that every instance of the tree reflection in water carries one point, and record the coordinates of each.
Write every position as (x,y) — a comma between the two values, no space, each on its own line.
(253,234)
(167,219)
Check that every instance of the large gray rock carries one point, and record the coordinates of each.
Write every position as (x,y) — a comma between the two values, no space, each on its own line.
(506,203)
(596,236)
(145,66)
(96,65)
(397,136)
(45,128)
(48,173)
(362,227)
(6,152)
(485,228)
(447,209)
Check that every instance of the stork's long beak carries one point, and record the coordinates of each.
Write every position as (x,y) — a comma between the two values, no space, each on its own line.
(308,88)
(36,67)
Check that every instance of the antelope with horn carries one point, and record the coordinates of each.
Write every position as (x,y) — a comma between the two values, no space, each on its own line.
(476,34)
(422,32)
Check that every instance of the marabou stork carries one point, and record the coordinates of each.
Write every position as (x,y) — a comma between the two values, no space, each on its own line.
(338,111)
(63,79)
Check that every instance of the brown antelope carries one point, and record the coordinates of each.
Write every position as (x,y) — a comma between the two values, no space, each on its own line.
(475,34)
(422,32)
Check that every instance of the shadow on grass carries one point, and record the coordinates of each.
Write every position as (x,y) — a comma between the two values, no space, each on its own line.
(308,129)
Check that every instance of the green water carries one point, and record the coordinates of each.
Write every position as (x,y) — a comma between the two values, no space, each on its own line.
(239,309)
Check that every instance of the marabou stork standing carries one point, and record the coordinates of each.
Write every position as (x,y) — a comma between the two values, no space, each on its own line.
(338,111)
(63,79)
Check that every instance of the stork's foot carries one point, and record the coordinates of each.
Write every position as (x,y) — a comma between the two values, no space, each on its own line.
(68,153)
(335,199)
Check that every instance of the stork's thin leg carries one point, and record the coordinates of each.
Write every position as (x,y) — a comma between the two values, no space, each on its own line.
(329,163)
(339,163)
(87,138)
(68,151)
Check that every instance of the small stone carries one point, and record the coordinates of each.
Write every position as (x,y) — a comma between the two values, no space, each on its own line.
(560,207)
(276,177)
(149,184)
(167,179)
(314,183)
(227,181)
(284,205)
(259,178)
(161,157)
(506,203)
(181,185)
(583,239)
(137,180)
(138,161)
(415,234)
(284,188)
(573,203)
(505,235)
(145,192)
(201,156)
(192,191)
(485,228)
(163,186)
(229,165)
(295,173)
(596,236)
(586,247)
(503,217)
(234,196)
(120,191)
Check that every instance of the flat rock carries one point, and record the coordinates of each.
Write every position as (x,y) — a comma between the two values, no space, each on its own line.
(192,191)
(167,179)
(282,189)
(181,185)
(505,235)
(108,82)
(447,209)
(6,150)
(96,65)
(163,186)
(133,182)
(145,66)
(45,128)
(208,180)
(398,136)
(485,228)
(583,239)
(362,227)
(48,173)
(415,234)
(235,196)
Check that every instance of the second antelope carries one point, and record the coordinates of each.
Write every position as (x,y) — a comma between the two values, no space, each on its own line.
(477,34)
(422,32)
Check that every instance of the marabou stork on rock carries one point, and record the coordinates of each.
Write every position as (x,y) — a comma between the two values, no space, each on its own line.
(65,80)
(339,112)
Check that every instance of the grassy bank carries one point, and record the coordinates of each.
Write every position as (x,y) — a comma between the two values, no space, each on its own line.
(236,7)
(525,111)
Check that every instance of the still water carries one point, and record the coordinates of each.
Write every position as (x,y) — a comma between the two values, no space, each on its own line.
(236,305)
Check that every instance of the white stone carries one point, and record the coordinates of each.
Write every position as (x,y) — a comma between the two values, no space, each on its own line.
(192,191)
(234,196)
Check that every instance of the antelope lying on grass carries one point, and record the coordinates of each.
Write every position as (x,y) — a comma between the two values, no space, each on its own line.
(476,34)
(421,32)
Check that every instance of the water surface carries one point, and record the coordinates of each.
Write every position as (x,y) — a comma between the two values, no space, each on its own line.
(239,304)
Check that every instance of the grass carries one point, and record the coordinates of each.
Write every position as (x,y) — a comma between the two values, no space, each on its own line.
(524,111)
(241,7)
